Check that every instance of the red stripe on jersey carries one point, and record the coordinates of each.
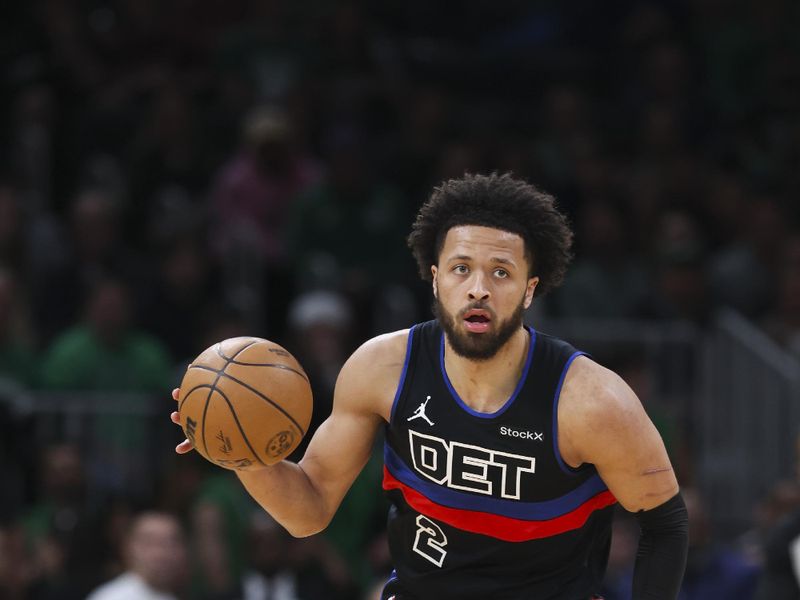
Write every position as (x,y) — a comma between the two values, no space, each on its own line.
(497,526)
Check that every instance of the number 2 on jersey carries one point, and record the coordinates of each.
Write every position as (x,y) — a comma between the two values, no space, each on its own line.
(430,541)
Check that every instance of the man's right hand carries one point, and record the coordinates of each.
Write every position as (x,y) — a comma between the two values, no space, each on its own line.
(185,446)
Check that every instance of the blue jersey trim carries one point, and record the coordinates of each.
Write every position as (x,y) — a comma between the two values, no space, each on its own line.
(530,511)
(402,381)
(392,577)
(514,395)
(559,459)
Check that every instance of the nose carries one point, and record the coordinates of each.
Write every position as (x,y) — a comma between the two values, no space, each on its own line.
(478,289)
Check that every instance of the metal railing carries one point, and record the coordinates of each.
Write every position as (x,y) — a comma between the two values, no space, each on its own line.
(732,391)
(123,437)
(728,393)
(747,422)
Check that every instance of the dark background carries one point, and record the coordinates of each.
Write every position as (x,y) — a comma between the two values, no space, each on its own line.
(174,173)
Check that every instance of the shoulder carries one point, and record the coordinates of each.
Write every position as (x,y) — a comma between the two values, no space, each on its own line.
(371,375)
(72,350)
(604,424)
(121,587)
(591,387)
(595,404)
(147,346)
(379,357)
(75,337)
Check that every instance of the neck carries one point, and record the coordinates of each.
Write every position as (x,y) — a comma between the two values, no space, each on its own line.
(486,385)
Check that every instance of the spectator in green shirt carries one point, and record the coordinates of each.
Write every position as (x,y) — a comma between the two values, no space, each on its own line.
(105,352)
(106,355)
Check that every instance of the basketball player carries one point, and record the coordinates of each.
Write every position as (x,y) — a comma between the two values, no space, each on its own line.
(506,448)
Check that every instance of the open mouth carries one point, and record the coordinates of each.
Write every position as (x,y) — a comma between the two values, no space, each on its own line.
(477,321)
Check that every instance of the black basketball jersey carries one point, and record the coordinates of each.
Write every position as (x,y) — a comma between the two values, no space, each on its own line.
(483,505)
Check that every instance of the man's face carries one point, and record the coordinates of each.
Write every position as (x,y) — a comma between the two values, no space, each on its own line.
(156,551)
(109,312)
(481,288)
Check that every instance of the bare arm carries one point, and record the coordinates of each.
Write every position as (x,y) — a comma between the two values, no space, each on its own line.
(303,497)
(602,422)
(605,424)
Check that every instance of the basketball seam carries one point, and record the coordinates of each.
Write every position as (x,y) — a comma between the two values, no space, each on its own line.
(239,425)
(218,348)
(255,391)
(213,388)
(217,371)
(276,365)
(232,359)
(189,393)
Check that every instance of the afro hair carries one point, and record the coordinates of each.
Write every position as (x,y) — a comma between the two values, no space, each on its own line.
(499,201)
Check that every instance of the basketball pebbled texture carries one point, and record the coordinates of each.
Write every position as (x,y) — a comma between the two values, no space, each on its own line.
(245,403)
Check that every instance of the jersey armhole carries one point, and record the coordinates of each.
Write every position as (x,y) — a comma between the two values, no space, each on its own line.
(401,383)
(569,470)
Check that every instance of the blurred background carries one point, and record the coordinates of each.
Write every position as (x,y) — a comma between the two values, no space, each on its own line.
(176,172)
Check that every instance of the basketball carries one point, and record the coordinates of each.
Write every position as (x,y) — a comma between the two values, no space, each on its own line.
(245,403)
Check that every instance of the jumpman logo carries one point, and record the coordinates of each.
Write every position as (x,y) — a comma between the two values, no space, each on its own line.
(420,413)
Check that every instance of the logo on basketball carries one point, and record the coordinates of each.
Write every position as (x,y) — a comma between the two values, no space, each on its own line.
(191,428)
(280,443)
(226,446)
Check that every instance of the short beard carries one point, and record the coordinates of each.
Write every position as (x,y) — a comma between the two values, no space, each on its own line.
(477,346)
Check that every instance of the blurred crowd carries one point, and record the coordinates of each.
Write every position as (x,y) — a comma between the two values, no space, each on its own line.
(176,172)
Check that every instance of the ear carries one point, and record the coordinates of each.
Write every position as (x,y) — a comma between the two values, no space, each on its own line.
(532,283)
(434,281)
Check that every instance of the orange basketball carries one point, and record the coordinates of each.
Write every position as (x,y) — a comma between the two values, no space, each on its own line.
(245,402)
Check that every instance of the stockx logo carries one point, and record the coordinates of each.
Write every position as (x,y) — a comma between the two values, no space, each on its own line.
(522,434)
